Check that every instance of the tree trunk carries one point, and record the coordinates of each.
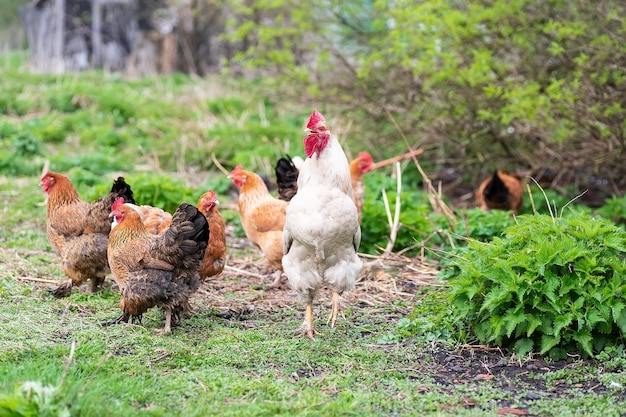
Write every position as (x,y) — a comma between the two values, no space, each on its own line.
(44,25)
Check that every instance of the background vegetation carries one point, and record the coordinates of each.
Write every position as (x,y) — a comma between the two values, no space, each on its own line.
(534,86)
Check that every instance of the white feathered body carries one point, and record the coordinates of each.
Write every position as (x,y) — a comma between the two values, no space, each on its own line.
(322,233)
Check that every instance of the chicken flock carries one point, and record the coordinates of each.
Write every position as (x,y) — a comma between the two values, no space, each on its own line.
(309,233)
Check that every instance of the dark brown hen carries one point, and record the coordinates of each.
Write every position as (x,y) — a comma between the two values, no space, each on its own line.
(157,271)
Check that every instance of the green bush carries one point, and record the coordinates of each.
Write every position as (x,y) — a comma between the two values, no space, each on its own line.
(491,83)
(551,285)
(614,209)
(472,225)
(102,162)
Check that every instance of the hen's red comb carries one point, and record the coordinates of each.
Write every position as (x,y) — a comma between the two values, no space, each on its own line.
(315,120)
(366,156)
(236,170)
(118,202)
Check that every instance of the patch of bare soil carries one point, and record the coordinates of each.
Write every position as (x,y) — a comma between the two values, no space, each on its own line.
(523,379)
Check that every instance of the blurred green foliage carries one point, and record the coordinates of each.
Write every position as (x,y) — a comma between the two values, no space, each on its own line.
(526,84)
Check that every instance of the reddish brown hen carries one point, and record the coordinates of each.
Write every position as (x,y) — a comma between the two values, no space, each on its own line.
(78,231)
(500,191)
(359,166)
(215,255)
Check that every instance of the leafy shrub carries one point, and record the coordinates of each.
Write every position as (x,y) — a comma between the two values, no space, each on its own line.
(473,224)
(550,285)
(102,162)
(460,76)
(26,145)
(63,101)
(18,154)
(47,129)
(13,166)
(614,209)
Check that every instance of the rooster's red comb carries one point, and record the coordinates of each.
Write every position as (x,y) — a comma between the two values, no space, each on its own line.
(118,202)
(316,120)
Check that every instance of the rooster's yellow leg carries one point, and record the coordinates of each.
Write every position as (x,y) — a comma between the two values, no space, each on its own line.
(335,307)
(307,327)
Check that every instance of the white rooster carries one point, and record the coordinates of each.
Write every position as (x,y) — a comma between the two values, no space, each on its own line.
(322,233)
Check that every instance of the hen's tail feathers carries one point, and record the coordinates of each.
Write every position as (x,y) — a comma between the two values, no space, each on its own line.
(286,178)
(200,232)
(496,191)
(186,240)
(122,189)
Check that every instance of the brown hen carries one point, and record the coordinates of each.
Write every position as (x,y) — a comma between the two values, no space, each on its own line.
(500,191)
(78,231)
(262,217)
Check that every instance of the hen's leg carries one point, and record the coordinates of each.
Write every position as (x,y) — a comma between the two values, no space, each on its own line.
(95,283)
(64,289)
(307,327)
(335,308)
(92,286)
(168,320)
(278,276)
(121,319)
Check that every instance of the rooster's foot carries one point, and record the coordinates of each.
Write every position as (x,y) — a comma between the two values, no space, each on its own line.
(307,327)
(307,330)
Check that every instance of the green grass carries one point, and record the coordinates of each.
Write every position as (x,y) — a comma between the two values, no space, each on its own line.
(211,365)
